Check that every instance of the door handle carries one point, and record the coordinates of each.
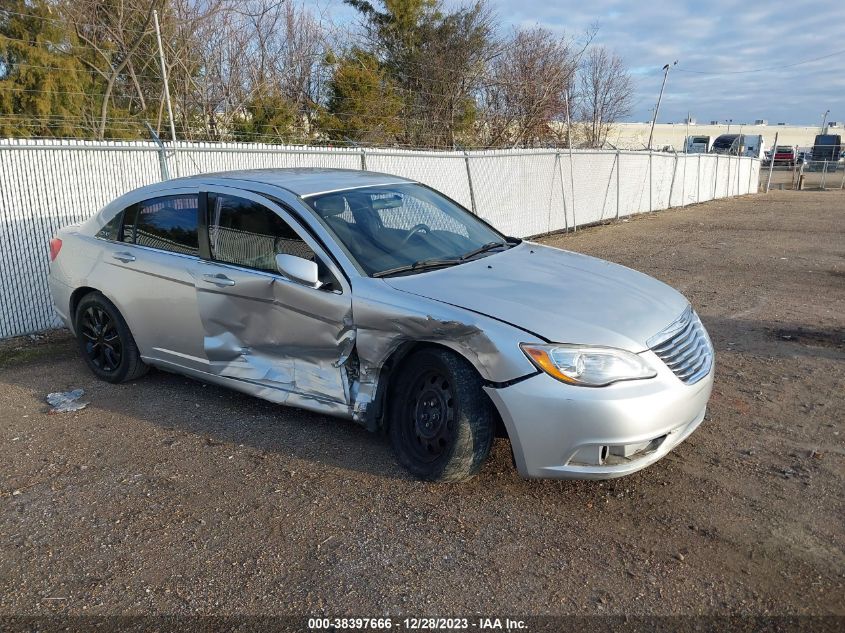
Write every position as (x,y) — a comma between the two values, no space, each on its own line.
(218,280)
(124,257)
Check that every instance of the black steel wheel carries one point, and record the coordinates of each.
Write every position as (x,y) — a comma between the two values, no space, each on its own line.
(105,341)
(441,422)
(431,410)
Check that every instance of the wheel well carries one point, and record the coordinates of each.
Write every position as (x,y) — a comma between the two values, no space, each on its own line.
(76,297)
(391,368)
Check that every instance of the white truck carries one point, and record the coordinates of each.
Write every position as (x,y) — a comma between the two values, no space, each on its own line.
(753,146)
(750,145)
(698,144)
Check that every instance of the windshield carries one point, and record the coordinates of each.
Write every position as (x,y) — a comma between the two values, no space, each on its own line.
(397,226)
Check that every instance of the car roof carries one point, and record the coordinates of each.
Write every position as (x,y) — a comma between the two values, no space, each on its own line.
(303,181)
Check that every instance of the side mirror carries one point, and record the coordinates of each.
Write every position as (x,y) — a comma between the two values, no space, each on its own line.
(301,270)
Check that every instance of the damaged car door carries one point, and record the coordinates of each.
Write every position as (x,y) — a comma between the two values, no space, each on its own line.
(286,335)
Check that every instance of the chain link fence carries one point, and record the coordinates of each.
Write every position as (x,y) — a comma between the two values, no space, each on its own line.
(816,175)
(45,185)
(818,168)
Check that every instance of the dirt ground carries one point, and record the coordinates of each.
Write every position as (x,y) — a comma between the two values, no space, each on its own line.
(166,496)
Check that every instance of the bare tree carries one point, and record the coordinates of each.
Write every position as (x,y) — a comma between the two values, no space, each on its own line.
(113,34)
(255,56)
(524,94)
(606,94)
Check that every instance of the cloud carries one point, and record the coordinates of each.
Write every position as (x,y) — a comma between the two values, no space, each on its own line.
(715,36)
(718,36)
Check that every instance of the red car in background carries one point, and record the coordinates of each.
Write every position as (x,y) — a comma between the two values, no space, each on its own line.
(785,155)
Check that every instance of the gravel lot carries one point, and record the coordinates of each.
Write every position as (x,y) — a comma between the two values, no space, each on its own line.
(166,496)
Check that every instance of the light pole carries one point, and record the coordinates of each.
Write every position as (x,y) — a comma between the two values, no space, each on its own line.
(729,121)
(824,120)
(657,107)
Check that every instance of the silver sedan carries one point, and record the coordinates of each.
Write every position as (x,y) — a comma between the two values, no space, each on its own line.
(377,299)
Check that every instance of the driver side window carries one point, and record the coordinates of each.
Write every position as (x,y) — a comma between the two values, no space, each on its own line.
(246,233)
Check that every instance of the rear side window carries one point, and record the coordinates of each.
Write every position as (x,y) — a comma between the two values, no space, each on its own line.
(168,223)
(245,233)
(111,229)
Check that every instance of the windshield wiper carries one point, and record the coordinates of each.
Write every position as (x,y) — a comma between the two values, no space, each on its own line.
(489,246)
(422,264)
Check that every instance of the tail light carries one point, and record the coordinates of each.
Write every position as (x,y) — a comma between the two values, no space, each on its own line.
(55,247)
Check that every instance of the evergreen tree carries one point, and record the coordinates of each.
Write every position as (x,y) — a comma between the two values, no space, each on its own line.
(42,87)
(363,105)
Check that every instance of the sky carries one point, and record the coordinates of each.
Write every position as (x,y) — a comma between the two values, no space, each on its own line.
(720,39)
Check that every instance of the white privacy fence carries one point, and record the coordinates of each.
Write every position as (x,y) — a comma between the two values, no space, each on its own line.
(45,185)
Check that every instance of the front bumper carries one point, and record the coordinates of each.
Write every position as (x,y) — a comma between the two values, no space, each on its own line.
(567,432)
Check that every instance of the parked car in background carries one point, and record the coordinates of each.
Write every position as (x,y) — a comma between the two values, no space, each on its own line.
(724,144)
(804,157)
(752,146)
(749,145)
(785,155)
(375,298)
(697,144)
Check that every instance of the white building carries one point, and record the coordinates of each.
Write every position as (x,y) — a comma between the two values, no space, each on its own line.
(635,135)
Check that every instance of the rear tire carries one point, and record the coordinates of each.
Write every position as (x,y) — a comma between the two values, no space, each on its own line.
(441,421)
(105,341)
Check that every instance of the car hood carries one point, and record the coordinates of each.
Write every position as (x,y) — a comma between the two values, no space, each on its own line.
(561,296)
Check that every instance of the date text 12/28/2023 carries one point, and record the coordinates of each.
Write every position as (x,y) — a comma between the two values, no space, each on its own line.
(418,624)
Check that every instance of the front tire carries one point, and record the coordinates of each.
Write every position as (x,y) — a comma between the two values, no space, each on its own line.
(441,421)
(105,341)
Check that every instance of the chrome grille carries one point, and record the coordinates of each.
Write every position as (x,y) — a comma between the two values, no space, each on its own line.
(685,347)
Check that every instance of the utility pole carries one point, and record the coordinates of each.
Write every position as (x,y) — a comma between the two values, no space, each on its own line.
(824,120)
(659,98)
(166,88)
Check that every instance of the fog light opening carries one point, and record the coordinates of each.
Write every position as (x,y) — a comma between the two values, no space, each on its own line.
(603,454)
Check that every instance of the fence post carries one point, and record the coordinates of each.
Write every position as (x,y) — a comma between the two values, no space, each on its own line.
(167,93)
(716,179)
(469,180)
(363,159)
(824,174)
(618,158)
(572,186)
(650,182)
(684,182)
(698,180)
(672,184)
(751,177)
(772,162)
(562,192)
(162,153)
(842,184)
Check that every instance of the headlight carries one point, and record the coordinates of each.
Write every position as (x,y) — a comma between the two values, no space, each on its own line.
(588,366)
